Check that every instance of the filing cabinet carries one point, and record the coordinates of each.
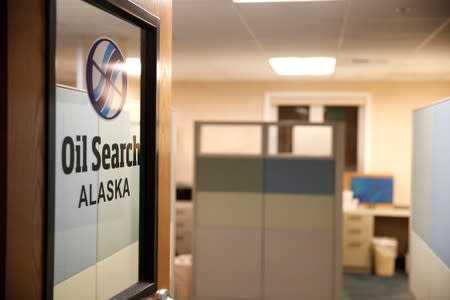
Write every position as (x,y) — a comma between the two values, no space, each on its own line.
(184,226)
(357,235)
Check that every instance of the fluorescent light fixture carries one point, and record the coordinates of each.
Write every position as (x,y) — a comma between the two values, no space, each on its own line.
(133,66)
(303,66)
(274,1)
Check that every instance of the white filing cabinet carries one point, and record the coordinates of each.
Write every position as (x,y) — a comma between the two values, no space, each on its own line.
(184,226)
(357,235)
(360,225)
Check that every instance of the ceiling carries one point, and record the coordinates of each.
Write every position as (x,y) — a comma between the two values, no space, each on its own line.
(372,40)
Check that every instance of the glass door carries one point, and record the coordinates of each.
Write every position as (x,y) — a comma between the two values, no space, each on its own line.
(104,175)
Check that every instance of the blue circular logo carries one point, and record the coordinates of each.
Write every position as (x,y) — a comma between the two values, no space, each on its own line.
(106,78)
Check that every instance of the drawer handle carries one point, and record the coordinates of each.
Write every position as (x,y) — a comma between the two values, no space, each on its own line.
(354,245)
(354,218)
(354,231)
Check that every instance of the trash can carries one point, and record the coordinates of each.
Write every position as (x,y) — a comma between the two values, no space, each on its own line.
(385,252)
(183,277)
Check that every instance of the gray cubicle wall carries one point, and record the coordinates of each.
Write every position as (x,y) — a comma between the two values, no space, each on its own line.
(267,226)
(430,229)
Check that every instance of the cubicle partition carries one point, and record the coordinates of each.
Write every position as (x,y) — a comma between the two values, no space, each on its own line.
(430,229)
(267,224)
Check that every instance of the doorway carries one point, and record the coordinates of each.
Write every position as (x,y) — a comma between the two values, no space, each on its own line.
(346,114)
(353,108)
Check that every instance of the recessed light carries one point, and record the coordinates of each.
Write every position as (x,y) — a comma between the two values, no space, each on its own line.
(303,66)
(133,66)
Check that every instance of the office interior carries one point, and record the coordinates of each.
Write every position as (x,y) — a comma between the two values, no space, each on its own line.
(259,171)
(391,59)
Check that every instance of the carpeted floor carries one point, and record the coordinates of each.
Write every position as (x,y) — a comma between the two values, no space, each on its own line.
(370,287)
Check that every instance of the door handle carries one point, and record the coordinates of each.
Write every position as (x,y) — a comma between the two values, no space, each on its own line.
(162,294)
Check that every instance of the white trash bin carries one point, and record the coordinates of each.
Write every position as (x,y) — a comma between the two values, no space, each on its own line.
(385,252)
(183,277)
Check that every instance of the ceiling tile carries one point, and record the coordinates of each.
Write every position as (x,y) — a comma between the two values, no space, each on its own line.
(220,40)
(368,9)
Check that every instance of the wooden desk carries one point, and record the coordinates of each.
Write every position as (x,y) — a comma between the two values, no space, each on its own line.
(384,212)
(362,224)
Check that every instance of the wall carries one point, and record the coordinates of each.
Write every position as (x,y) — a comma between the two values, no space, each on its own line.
(391,118)
(26,145)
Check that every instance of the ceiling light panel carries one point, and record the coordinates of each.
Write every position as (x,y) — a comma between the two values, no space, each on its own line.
(303,66)
(133,66)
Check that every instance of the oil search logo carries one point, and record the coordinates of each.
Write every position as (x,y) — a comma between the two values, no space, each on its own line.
(106,78)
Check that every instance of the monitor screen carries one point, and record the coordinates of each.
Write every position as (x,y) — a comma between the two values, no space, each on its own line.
(373,189)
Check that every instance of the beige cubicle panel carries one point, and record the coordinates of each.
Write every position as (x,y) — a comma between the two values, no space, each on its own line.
(267,225)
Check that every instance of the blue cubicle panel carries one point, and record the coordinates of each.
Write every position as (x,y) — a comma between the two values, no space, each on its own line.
(440,206)
(431,178)
(299,227)
(422,172)
(299,176)
(430,231)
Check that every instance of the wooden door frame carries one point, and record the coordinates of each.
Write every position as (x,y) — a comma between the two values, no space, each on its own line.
(3,143)
(149,26)
(25,149)
(23,142)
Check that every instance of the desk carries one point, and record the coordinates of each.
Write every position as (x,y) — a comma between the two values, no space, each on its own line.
(361,225)
(382,212)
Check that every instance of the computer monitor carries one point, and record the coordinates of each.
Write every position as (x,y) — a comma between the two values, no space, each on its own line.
(373,189)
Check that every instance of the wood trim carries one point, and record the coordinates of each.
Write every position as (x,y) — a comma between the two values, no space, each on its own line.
(3,143)
(26,106)
(164,135)
(163,9)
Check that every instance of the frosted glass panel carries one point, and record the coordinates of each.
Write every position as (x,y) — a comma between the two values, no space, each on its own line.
(312,141)
(308,140)
(118,219)
(97,148)
(75,226)
(216,139)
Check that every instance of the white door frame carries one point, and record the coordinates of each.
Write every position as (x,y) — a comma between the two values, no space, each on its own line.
(361,99)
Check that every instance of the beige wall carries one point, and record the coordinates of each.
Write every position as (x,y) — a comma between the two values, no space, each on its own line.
(390,124)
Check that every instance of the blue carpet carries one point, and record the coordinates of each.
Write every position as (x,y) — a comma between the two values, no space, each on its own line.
(370,287)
